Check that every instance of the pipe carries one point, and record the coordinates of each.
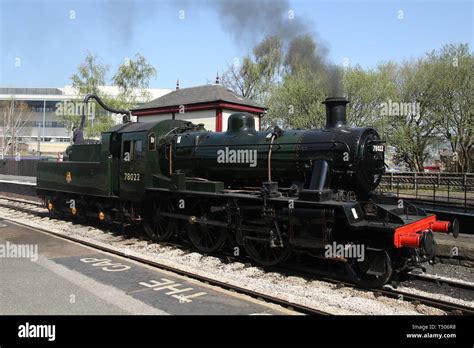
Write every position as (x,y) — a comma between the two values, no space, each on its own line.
(319,176)
(127,113)
(269,165)
(171,158)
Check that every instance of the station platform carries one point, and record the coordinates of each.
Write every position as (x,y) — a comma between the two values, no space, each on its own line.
(18,186)
(57,276)
(18,179)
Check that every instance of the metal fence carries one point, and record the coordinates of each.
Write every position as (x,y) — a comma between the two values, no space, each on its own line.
(437,188)
(24,167)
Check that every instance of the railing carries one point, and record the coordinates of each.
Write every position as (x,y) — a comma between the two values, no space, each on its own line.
(25,167)
(451,189)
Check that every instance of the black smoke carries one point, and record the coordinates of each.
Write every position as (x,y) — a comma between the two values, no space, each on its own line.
(120,17)
(249,21)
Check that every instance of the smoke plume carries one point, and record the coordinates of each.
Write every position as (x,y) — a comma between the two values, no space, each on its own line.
(121,16)
(247,21)
(252,20)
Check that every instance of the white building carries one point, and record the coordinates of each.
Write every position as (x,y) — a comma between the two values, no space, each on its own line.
(43,131)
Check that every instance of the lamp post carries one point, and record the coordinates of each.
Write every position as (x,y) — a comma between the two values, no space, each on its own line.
(44,115)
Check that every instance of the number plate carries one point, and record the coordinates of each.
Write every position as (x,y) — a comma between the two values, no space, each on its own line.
(378,148)
(131,176)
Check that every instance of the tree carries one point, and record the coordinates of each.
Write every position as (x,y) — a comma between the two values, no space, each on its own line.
(303,54)
(296,103)
(413,131)
(367,91)
(451,74)
(15,116)
(132,78)
(256,75)
(90,75)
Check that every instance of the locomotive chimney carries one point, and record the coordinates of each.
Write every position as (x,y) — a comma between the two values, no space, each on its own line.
(335,112)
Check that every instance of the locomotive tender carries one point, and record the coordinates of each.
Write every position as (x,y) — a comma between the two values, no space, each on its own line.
(272,192)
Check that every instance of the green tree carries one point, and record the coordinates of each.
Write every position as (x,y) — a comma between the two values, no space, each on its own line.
(451,86)
(89,76)
(303,54)
(367,91)
(133,78)
(413,131)
(296,102)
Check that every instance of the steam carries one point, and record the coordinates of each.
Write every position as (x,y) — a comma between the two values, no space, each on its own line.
(247,21)
(252,20)
(120,17)
(335,81)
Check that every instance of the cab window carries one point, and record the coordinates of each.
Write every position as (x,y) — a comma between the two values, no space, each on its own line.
(138,149)
(132,150)
(127,154)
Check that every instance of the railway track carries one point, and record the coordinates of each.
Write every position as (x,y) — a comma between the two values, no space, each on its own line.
(390,292)
(257,295)
(447,306)
(441,281)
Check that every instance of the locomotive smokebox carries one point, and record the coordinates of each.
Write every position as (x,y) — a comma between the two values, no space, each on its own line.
(335,112)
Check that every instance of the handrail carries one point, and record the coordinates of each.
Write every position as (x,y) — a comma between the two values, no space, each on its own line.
(454,189)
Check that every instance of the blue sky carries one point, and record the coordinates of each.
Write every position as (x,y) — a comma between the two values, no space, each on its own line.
(50,40)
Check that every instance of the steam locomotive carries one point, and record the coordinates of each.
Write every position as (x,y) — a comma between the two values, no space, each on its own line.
(273,192)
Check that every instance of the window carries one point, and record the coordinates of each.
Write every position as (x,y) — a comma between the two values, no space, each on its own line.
(132,150)
(151,142)
(127,148)
(138,151)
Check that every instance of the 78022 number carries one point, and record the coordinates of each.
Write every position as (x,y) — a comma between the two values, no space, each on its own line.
(131,176)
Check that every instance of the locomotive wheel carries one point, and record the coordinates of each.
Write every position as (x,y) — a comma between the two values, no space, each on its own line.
(362,273)
(264,251)
(159,228)
(206,238)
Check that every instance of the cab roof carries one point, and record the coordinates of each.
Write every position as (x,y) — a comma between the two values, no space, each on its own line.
(132,127)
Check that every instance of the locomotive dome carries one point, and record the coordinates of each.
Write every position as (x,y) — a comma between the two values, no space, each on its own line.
(241,121)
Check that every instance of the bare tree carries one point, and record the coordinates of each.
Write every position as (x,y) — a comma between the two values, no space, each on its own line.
(254,77)
(14,118)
